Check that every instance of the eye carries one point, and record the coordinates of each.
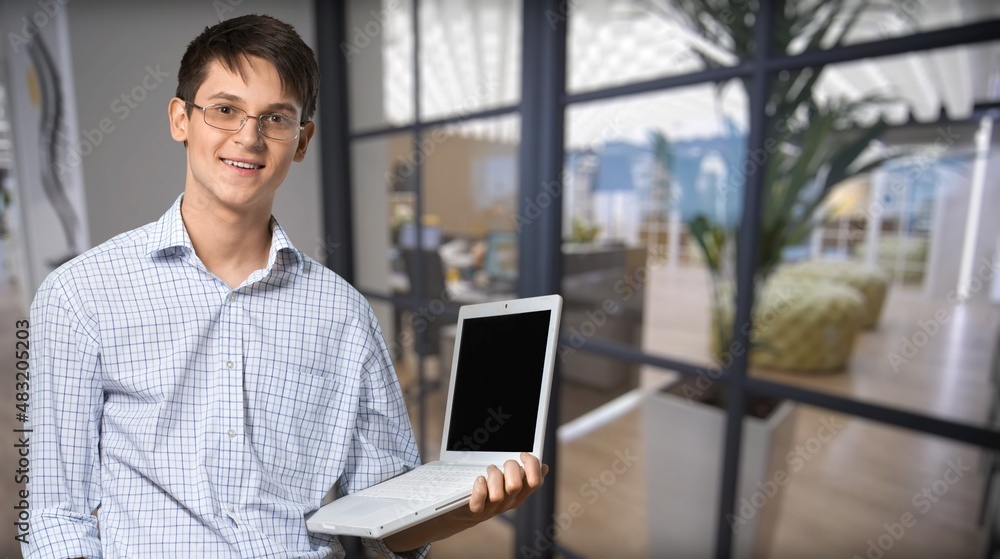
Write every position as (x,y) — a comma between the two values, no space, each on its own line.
(278,120)
(225,110)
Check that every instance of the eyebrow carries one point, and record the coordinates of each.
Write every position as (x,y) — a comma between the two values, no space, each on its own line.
(272,107)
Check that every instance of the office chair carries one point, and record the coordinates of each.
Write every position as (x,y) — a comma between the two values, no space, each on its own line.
(433,288)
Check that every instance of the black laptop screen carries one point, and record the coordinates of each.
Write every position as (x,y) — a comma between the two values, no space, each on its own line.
(498,382)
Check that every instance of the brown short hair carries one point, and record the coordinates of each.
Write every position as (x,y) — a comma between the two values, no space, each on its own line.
(233,40)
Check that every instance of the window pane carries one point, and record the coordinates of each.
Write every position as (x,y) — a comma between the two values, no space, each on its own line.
(383,197)
(878,20)
(894,297)
(469,245)
(470,56)
(469,193)
(379,53)
(470,189)
(615,43)
(642,173)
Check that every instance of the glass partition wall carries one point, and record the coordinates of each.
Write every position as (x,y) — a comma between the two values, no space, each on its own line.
(780,277)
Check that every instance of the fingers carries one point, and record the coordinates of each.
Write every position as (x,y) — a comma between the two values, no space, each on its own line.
(533,470)
(500,490)
(495,482)
(513,477)
(480,492)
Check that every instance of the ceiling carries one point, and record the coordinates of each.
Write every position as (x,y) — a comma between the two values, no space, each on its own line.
(471,52)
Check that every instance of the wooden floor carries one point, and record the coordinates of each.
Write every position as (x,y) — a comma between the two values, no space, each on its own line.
(863,479)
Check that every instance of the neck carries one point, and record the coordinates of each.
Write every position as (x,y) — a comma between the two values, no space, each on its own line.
(229,243)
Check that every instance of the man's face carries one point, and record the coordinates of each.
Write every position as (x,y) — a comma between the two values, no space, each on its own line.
(239,170)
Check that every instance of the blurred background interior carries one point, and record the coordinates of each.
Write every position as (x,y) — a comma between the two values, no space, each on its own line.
(876,325)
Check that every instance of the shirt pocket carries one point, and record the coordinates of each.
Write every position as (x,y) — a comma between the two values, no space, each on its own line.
(300,430)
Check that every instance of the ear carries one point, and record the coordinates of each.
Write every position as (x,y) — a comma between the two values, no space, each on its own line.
(304,137)
(179,121)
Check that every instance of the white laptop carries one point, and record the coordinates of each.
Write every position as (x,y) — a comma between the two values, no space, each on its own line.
(498,400)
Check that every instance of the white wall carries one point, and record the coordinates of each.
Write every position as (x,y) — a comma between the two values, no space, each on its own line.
(948,234)
(134,173)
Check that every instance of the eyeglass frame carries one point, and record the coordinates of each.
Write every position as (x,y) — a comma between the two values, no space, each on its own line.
(243,122)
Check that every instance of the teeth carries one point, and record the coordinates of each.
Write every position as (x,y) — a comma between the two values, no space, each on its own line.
(242,165)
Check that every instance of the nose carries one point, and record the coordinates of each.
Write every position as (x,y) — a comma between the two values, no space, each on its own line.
(249,135)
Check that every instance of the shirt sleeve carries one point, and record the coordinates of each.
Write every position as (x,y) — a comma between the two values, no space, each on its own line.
(382,445)
(64,415)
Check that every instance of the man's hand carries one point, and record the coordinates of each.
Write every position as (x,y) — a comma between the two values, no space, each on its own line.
(492,494)
(499,492)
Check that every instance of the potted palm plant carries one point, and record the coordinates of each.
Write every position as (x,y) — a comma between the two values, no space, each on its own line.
(811,145)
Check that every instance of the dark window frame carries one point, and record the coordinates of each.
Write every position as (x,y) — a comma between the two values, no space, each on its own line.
(542,108)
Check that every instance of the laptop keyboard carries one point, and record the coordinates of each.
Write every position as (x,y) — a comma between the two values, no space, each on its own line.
(427,483)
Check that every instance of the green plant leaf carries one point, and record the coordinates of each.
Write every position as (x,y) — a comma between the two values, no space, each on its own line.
(711,239)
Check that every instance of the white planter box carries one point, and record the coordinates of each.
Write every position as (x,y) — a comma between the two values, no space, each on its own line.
(684,446)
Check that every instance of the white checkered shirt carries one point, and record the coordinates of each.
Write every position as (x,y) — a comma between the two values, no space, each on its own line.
(205,421)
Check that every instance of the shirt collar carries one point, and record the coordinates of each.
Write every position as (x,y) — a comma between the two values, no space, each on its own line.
(170,235)
(169,231)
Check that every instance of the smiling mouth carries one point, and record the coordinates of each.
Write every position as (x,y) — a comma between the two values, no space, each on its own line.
(242,164)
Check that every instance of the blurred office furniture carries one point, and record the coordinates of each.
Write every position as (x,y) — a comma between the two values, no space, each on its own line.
(430,237)
(434,289)
(803,325)
(500,261)
(871,281)
(604,290)
(603,295)
(403,267)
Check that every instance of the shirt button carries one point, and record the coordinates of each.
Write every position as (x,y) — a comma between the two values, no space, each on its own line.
(229,364)
(229,507)
(231,433)
(232,297)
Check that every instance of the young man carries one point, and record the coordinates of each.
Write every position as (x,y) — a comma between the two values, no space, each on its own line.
(199,381)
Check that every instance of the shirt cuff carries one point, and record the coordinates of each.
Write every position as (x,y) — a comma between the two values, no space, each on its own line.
(377,548)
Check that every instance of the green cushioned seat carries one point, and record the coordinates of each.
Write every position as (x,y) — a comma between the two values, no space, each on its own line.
(804,325)
(871,281)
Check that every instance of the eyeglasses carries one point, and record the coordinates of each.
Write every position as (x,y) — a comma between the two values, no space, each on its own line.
(226,117)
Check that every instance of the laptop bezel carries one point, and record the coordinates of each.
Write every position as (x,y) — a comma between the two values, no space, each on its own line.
(551,303)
